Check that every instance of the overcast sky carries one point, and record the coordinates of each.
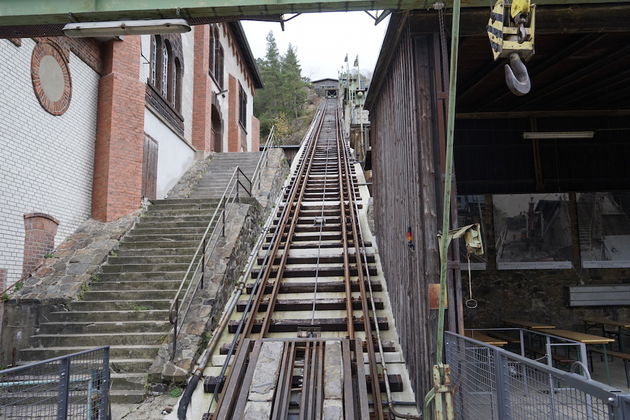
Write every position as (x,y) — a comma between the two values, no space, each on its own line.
(322,40)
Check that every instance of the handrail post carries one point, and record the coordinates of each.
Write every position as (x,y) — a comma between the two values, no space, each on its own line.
(237,184)
(104,389)
(223,223)
(176,321)
(203,261)
(64,385)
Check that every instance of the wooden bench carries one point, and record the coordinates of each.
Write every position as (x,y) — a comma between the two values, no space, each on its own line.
(604,295)
(504,336)
(625,357)
(480,336)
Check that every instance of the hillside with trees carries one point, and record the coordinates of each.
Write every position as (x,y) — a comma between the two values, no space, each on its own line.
(287,99)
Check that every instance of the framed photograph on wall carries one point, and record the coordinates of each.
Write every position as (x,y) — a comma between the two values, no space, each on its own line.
(604,229)
(470,209)
(532,231)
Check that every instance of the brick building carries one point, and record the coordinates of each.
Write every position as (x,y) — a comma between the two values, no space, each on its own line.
(89,127)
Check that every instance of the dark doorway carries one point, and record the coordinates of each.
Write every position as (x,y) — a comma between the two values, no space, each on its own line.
(149,168)
(217,130)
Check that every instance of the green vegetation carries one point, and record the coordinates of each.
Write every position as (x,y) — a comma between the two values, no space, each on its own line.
(18,286)
(49,255)
(141,308)
(285,95)
(176,392)
(5,296)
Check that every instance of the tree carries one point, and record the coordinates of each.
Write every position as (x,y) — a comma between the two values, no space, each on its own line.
(284,94)
(294,87)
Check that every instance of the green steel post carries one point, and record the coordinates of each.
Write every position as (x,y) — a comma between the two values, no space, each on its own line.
(448,169)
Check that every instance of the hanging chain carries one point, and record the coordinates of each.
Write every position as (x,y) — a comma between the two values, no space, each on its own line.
(440,6)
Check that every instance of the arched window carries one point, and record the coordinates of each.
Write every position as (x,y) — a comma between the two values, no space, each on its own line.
(156,45)
(165,73)
(215,64)
(177,86)
(164,84)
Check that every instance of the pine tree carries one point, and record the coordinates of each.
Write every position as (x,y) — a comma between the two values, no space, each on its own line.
(284,94)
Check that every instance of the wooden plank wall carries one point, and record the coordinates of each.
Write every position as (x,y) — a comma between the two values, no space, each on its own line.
(404,154)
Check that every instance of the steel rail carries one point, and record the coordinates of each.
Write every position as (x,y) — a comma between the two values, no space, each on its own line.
(321,229)
(344,233)
(302,183)
(376,392)
(249,314)
(230,194)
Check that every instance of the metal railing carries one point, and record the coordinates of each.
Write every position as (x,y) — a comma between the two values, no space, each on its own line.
(492,383)
(194,276)
(74,386)
(262,161)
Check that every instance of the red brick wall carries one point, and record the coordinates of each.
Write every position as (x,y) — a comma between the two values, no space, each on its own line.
(119,132)
(234,130)
(255,133)
(39,239)
(202,88)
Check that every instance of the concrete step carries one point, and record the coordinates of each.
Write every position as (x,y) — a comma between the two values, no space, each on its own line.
(177,201)
(151,259)
(195,205)
(104,327)
(130,365)
(108,316)
(156,251)
(126,396)
(180,212)
(142,276)
(135,285)
(167,230)
(128,381)
(118,268)
(121,305)
(152,244)
(161,224)
(122,352)
(165,219)
(105,339)
(176,237)
(133,294)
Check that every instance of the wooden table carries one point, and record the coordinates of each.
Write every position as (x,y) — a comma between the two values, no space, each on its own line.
(529,324)
(586,339)
(478,335)
(604,322)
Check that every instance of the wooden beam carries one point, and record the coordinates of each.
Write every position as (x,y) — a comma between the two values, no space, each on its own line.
(557,18)
(578,113)
(575,77)
(538,68)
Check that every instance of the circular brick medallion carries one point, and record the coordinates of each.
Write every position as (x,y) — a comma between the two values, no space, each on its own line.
(51,77)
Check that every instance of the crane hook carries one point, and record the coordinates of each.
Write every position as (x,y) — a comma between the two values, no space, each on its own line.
(516,76)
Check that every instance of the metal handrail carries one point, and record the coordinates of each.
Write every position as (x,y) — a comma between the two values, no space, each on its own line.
(256,176)
(195,273)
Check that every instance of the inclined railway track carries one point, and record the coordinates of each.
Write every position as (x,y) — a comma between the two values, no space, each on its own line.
(302,341)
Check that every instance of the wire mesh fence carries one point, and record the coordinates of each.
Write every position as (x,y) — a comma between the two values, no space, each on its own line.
(492,383)
(75,386)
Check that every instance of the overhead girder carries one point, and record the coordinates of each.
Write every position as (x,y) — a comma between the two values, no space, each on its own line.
(56,12)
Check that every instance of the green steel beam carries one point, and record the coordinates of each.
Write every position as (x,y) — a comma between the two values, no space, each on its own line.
(45,12)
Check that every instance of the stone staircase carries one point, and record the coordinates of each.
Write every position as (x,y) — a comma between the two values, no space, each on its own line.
(126,307)
(220,170)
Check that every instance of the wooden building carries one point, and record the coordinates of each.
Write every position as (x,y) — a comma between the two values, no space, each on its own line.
(554,211)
